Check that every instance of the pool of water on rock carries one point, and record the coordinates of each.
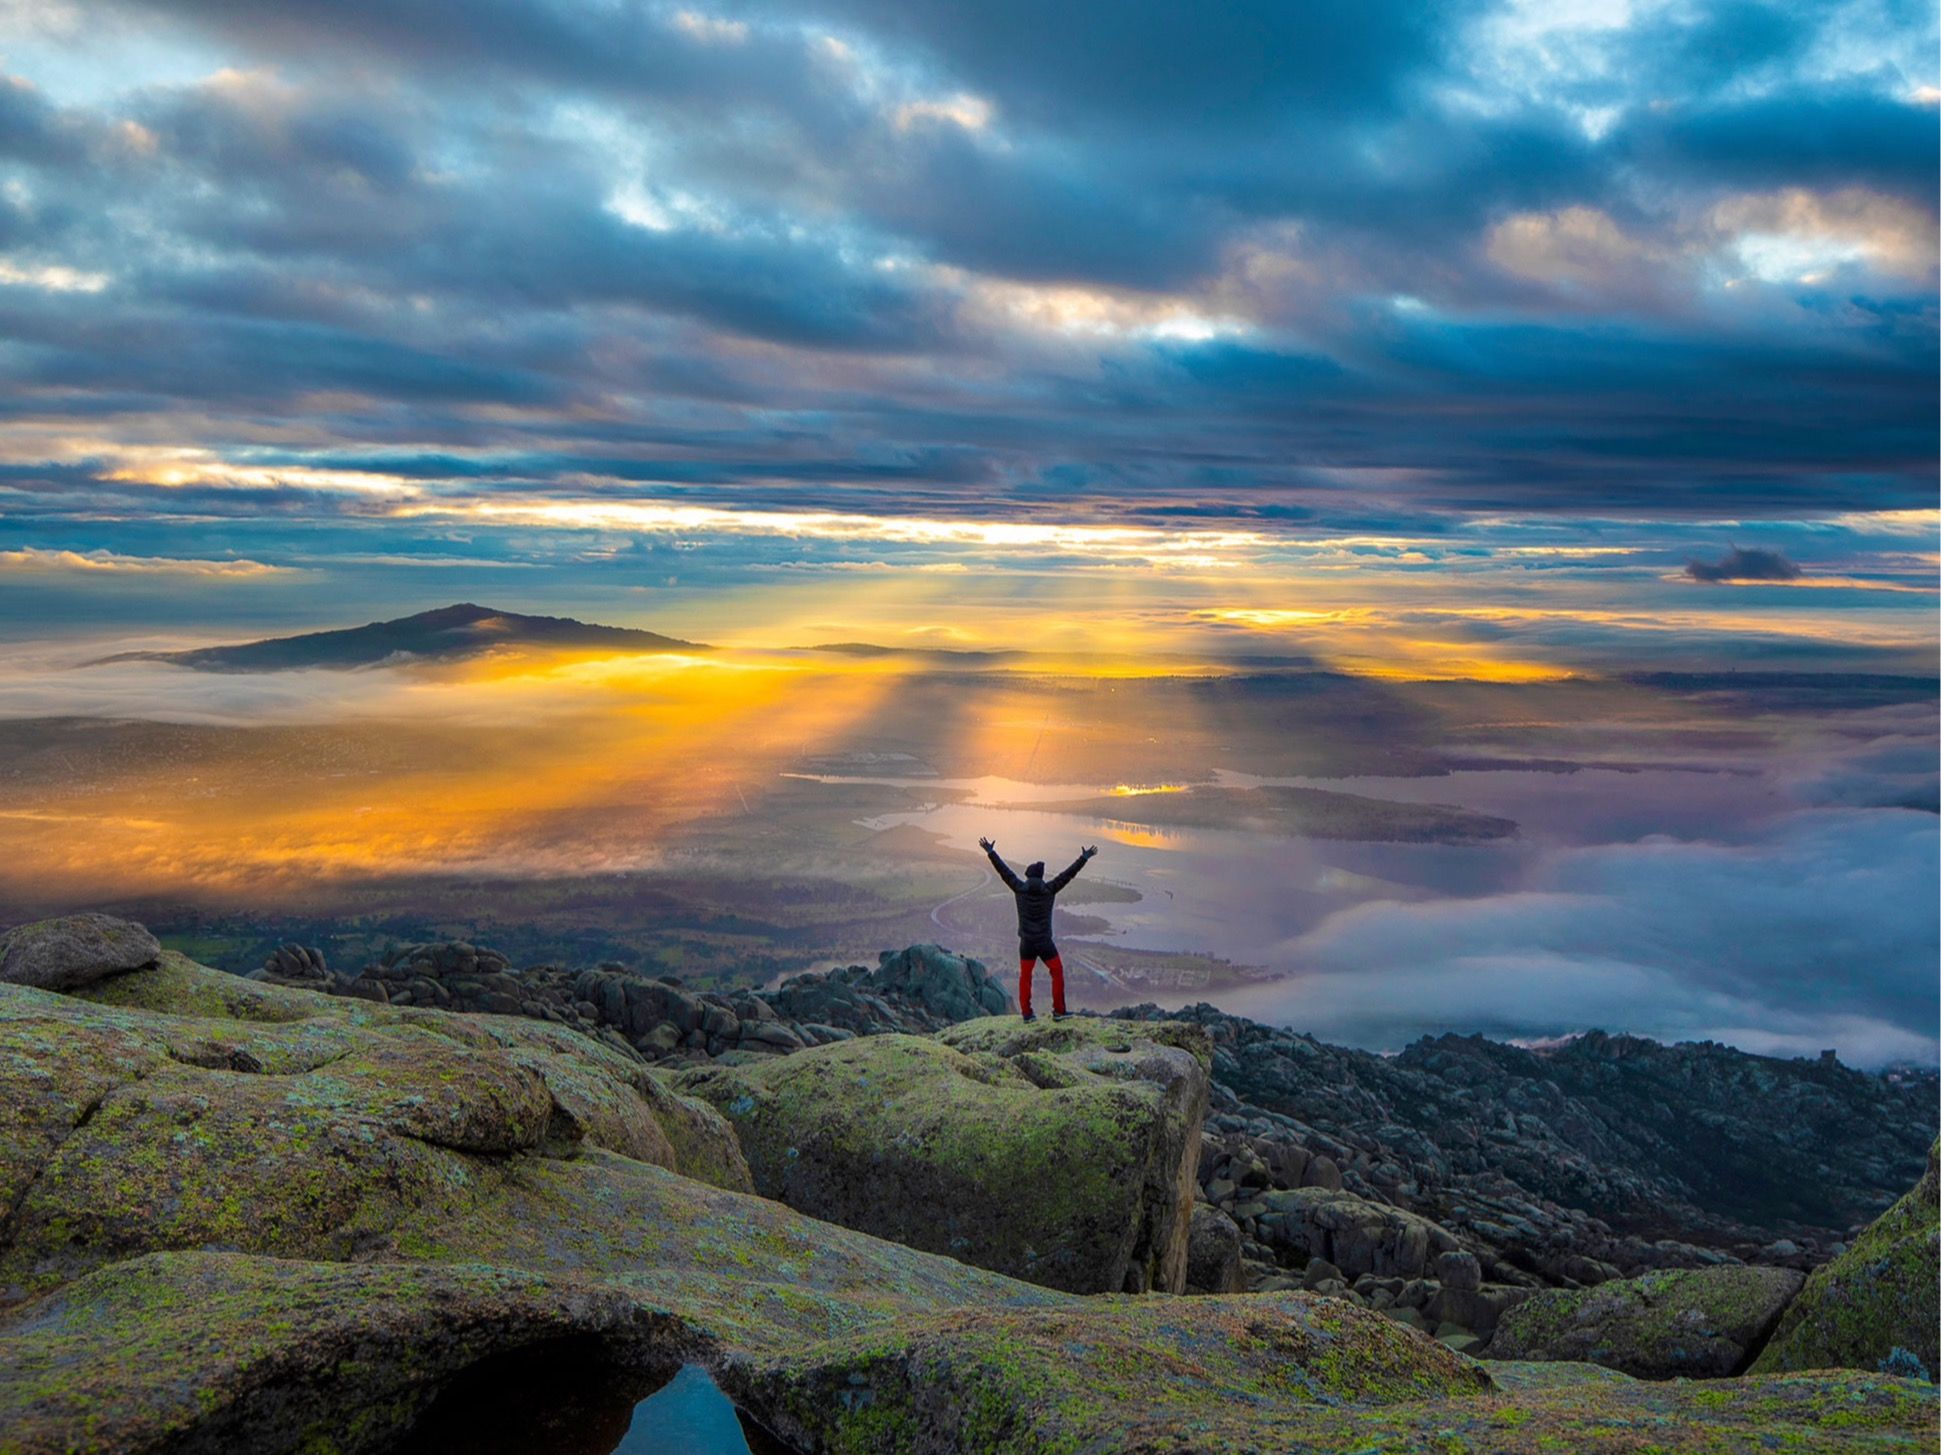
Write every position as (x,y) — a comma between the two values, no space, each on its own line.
(567,1400)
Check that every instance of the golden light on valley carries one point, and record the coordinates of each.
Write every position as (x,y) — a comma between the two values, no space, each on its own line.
(541,763)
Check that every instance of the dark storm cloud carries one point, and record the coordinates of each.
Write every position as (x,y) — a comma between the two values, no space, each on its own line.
(1798,137)
(1266,261)
(1750,564)
(31,129)
(1135,60)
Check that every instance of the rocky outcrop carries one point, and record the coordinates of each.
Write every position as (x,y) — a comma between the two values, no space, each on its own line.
(294,964)
(1402,1198)
(1361,1187)
(1690,1322)
(1212,1252)
(1058,1153)
(1353,1234)
(521,1203)
(1873,1307)
(75,950)
(1598,1158)
(212,1353)
(230,1354)
(919,989)
(1039,1379)
(1564,1167)
(270,1128)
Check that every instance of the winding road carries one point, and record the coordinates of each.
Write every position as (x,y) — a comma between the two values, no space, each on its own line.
(936,915)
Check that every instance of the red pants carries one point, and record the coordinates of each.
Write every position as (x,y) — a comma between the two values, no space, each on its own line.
(1057,968)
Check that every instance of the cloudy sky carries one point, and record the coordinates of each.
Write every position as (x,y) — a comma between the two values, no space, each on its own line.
(1508,341)
(1608,327)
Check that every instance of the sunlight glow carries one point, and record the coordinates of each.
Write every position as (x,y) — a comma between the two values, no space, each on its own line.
(1141,543)
(592,764)
(51,277)
(1799,234)
(34,559)
(1089,312)
(972,113)
(174,468)
(709,29)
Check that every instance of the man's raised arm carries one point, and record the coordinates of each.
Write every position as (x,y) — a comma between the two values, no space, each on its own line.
(1003,869)
(1077,864)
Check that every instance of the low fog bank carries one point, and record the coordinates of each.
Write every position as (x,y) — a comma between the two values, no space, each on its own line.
(1820,932)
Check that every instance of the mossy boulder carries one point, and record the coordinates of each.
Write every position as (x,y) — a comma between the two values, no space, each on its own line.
(126,1131)
(229,1354)
(1058,1154)
(1875,1306)
(75,950)
(1691,1322)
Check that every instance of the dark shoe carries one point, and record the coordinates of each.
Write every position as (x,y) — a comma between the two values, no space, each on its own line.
(1027,1016)
(1061,1015)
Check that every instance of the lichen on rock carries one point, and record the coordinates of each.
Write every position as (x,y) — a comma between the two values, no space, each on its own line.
(1874,1306)
(251,1219)
(74,950)
(131,1130)
(1694,1322)
(1118,1373)
(1082,1181)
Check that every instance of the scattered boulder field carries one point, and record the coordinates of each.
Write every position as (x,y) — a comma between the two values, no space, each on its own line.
(247,1217)
(919,989)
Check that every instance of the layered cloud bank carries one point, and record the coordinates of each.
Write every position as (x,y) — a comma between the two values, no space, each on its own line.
(1081,260)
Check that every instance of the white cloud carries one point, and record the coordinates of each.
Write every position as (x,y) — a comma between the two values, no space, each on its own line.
(1184,548)
(1579,247)
(51,277)
(972,113)
(34,559)
(1820,932)
(1089,313)
(1797,234)
(709,29)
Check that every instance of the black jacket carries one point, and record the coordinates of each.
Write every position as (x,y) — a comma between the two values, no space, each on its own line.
(1035,897)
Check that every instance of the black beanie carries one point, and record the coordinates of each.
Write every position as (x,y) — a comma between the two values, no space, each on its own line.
(1035,871)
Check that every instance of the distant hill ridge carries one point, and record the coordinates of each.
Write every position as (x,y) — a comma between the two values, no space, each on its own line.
(448,632)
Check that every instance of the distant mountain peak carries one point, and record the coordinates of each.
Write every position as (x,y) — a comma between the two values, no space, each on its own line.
(443,633)
(458,611)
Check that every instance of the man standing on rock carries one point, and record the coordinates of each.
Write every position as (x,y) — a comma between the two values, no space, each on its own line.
(1035,895)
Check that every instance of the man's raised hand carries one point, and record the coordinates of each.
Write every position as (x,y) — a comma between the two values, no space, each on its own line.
(1088,851)
(986,845)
